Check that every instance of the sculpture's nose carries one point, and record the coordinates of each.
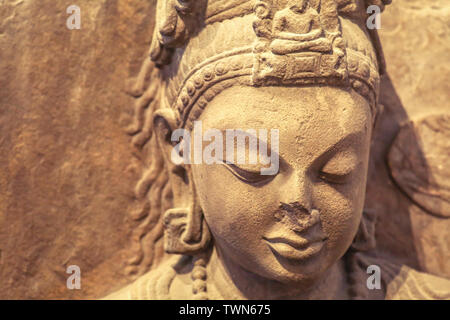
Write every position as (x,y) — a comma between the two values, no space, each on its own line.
(298,190)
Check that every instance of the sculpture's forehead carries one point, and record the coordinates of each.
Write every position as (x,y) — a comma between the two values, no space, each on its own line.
(311,119)
(287,108)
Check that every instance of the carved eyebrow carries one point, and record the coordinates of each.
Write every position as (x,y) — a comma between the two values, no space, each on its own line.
(260,143)
(343,143)
(243,132)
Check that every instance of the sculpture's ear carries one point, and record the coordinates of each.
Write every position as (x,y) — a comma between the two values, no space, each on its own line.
(165,123)
(186,231)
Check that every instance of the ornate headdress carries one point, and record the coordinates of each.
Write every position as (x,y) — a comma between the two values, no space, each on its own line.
(204,46)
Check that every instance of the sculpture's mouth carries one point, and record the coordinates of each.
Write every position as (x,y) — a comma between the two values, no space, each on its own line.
(301,235)
(298,248)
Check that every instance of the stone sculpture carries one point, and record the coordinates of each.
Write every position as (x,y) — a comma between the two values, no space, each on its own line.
(310,69)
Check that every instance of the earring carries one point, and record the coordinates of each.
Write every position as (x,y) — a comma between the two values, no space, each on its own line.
(185,231)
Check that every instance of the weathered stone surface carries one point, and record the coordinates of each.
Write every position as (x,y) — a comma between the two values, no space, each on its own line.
(419,161)
(288,37)
(68,171)
(66,184)
(415,38)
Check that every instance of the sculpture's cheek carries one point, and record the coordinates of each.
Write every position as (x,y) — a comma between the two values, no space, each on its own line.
(341,208)
(340,222)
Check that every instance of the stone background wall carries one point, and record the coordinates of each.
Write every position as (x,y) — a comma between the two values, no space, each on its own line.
(66,165)
(416,41)
(67,170)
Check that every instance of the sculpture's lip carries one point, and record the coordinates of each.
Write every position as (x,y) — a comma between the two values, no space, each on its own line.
(296,249)
(299,243)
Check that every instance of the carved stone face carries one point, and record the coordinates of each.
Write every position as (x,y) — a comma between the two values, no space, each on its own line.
(271,227)
(298,6)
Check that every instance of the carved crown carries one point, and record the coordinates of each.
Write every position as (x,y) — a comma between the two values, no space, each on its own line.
(263,42)
(298,43)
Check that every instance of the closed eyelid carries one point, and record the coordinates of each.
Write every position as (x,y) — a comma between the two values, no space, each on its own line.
(247,175)
(343,149)
(341,164)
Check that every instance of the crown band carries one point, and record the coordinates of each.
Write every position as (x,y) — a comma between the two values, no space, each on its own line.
(291,43)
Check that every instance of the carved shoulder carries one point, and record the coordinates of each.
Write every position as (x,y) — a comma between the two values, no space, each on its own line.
(410,284)
(398,282)
(154,285)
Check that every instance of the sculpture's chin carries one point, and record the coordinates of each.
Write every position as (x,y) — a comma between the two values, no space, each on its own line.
(285,265)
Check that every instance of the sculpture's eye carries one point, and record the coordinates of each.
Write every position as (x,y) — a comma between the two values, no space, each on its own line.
(333,178)
(251,160)
(339,169)
(249,175)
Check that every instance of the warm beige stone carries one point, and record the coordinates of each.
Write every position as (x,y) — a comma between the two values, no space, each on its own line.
(301,233)
(68,192)
(66,177)
(415,39)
